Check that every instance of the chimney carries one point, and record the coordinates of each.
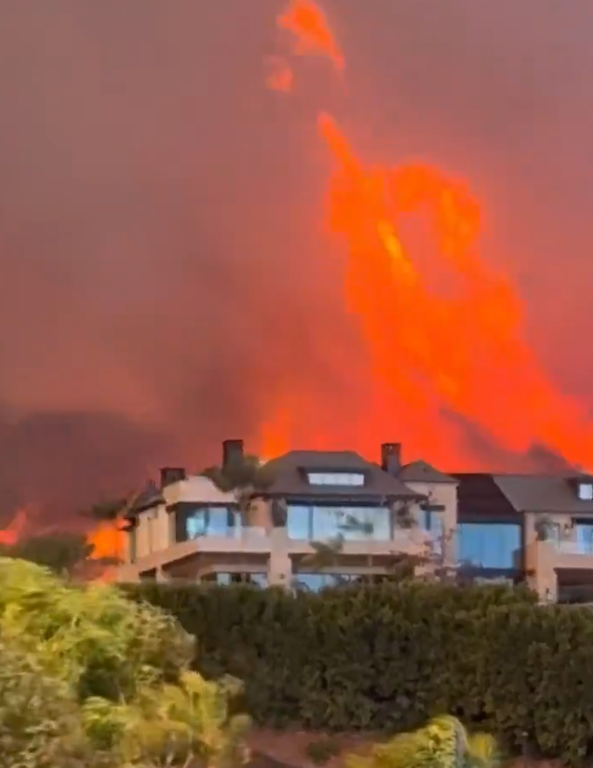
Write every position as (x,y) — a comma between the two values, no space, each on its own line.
(232,452)
(391,457)
(170,475)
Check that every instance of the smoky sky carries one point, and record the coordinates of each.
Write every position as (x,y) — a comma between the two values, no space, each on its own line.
(164,274)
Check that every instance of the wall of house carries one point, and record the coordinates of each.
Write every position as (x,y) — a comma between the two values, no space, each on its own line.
(445,494)
(559,551)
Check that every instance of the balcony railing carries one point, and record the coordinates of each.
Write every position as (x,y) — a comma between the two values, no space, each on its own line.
(573,547)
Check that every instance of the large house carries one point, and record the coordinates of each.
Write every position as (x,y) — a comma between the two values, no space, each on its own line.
(536,529)
(186,528)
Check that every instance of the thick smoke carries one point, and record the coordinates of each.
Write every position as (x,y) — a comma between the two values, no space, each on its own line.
(164,280)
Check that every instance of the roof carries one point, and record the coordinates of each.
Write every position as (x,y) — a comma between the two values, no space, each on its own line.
(195,489)
(288,473)
(422,472)
(543,493)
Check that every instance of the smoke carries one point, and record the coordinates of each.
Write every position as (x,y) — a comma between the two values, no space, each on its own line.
(164,282)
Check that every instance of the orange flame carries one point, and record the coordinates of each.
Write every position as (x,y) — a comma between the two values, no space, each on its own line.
(108,540)
(462,350)
(313,37)
(15,529)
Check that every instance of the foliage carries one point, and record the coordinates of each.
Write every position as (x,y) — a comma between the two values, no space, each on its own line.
(87,678)
(391,656)
(61,552)
(442,743)
(387,657)
(321,751)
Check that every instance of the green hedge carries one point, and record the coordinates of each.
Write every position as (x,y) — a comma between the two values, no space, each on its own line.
(387,657)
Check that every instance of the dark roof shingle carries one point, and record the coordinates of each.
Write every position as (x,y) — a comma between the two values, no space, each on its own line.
(542,493)
(422,472)
(288,473)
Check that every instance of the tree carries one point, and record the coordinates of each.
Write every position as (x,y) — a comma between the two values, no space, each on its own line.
(244,476)
(90,678)
(442,743)
(60,552)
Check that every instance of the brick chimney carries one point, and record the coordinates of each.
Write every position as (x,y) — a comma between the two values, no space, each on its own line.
(232,452)
(391,457)
(170,475)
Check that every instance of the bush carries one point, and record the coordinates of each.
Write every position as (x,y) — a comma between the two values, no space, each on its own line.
(389,657)
(88,679)
(321,751)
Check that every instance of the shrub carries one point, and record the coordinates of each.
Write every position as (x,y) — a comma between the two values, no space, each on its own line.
(389,657)
(86,678)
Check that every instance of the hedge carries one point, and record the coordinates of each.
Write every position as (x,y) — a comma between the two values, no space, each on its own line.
(387,657)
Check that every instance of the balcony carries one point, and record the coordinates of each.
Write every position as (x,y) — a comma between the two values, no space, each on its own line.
(412,541)
(247,540)
(560,554)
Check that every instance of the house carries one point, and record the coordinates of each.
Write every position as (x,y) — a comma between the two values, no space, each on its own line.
(186,528)
(536,529)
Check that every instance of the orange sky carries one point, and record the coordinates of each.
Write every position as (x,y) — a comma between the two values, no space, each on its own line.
(203,258)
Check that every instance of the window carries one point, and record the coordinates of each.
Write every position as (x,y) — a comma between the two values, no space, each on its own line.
(298,522)
(584,535)
(489,545)
(257,579)
(209,521)
(586,491)
(336,478)
(313,582)
(432,522)
(321,523)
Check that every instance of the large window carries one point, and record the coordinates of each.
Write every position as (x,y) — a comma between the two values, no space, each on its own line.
(336,478)
(210,521)
(489,545)
(320,523)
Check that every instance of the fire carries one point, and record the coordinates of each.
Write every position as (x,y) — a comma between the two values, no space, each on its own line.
(461,350)
(108,540)
(15,529)
(312,35)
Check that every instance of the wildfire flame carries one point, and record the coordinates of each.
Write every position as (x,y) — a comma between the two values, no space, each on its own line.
(430,350)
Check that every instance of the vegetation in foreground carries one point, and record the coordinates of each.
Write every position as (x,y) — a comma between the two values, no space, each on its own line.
(88,679)
(386,658)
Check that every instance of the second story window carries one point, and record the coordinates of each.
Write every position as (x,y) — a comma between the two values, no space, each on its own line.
(585,491)
(336,478)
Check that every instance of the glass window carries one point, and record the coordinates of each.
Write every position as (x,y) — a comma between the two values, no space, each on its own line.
(209,521)
(335,478)
(257,579)
(364,523)
(584,534)
(350,523)
(298,519)
(585,491)
(489,545)
(432,522)
(313,582)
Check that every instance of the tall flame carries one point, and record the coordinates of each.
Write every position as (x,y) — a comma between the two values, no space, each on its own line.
(462,350)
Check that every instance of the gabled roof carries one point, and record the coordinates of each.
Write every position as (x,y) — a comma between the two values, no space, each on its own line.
(543,493)
(289,476)
(422,472)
